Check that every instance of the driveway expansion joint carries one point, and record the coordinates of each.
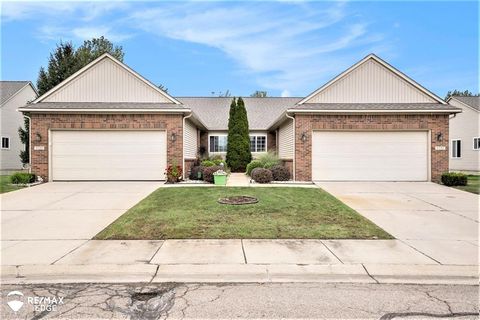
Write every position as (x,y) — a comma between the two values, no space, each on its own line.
(243,251)
(368,273)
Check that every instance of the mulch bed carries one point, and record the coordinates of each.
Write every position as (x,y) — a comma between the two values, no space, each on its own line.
(238,200)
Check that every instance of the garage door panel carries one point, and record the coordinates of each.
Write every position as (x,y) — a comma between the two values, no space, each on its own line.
(370,156)
(108,155)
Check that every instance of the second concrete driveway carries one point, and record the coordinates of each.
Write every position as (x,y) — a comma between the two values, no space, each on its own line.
(440,222)
(43,223)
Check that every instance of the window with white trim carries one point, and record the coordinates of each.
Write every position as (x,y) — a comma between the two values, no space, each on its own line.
(456,148)
(5,143)
(258,143)
(218,144)
(476,143)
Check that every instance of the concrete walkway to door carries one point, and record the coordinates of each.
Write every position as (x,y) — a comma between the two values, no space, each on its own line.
(238,179)
(41,224)
(438,221)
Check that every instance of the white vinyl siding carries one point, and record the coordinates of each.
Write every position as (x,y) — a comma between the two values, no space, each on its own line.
(371,82)
(465,126)
(11,120)
(108,155)
(107,82)
(190,141)
(370,155)
(285,140)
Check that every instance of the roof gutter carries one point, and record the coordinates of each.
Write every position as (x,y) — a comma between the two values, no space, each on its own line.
(105,110)
(183,142)
(294,144)
(374,111)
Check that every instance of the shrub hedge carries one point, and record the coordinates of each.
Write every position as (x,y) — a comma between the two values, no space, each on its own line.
(22,178)
(454,179)
(208,173)
(262,175)
(280,173)
(252,165)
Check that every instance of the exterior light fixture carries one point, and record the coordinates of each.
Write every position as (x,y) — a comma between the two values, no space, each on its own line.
(38,137)
(439,137)
(173,137)
(303,137)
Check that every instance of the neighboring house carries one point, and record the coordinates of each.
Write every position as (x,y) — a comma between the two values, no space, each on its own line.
(465,135)
(371,123)
(13,95)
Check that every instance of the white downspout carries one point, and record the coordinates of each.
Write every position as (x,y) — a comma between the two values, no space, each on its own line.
(294,145)
(29,143)
(183,143)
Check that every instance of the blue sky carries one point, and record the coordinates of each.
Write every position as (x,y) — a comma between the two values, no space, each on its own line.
(285,47)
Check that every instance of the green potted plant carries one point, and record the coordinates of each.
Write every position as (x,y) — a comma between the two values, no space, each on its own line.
(220,177)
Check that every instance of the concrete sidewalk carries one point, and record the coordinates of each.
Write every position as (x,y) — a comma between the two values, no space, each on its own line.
(369,261)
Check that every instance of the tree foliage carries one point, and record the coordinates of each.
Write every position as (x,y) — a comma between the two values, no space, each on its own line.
(238,148)
(65,60)
(92,49)
(259,94)
(456,92)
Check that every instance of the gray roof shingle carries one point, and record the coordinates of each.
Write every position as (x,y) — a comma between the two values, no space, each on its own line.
(473,102)
(214,111)
(9,88)
(374,106)
(100,105)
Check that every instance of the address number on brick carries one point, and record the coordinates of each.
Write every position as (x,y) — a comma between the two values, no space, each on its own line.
(440,148)
(38,148)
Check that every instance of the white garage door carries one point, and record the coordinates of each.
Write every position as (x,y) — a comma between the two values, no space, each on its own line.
(108,155)
(370,156)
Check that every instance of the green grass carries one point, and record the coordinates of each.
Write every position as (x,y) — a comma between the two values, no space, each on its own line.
(473,184)
(5,185)
(282,212)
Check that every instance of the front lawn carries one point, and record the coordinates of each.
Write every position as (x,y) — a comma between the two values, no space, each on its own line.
(282,212)
(473,184)
(6,186)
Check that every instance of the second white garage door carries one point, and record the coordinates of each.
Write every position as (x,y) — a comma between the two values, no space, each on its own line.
(108,155)
(370,156)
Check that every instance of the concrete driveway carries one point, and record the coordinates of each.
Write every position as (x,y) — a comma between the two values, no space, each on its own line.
(43,223)
(438,221)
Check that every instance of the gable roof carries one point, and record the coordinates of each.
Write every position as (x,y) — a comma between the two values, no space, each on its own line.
(103,106)
(389,67)
(261,112)
(8,89)
(94,63)
(375,107)
(472,102)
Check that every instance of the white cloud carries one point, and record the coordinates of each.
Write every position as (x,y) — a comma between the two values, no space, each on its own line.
(85,33)
(284,48)
(278,44)
(51,32)
(285,93)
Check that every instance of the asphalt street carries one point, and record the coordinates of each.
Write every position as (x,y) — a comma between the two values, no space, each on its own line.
(241,301)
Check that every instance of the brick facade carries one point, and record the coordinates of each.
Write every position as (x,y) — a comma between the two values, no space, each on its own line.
(41,123)
(308,123)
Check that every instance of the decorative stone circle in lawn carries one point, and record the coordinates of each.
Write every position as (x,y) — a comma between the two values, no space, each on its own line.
(237,200)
